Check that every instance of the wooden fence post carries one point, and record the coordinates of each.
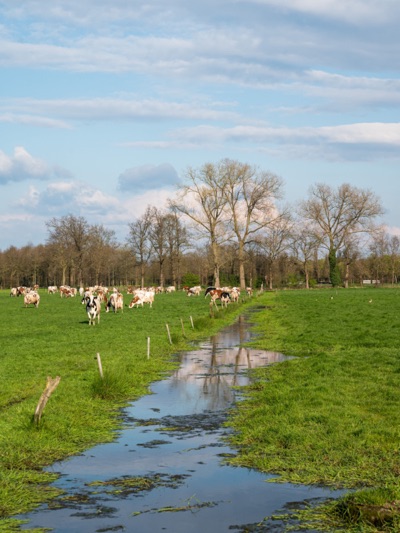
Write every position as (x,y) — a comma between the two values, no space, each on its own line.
(100,365)
(148,347)
(169,334)
(191,321)
(183,328)
(51,386)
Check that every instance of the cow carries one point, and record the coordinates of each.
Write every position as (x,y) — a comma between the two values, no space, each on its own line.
(116,301)
(22,290)
(208,291)
(194,291)
(13,291)
(249,291)
(170,288)
(220,294)
(143,297)
(52,289)
(31,297)
(93,308)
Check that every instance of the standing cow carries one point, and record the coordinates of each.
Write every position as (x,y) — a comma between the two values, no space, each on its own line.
(32,297)
(93,308)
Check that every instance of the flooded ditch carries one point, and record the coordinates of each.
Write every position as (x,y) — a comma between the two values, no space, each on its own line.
(166,471)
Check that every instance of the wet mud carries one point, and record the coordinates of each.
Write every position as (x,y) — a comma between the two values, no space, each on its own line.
(167,470)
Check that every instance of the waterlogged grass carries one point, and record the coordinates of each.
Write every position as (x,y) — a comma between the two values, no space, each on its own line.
(56,340)
(332,415)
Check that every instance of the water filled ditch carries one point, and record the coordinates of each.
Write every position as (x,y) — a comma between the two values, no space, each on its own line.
(166,471)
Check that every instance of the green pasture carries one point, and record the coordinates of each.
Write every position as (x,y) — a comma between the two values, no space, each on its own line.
(56,340)
(331,415)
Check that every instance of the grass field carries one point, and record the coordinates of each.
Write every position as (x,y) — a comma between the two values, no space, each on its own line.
(56,340)
(332,415)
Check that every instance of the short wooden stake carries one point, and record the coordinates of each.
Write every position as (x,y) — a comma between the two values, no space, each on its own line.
(51,386)
(100,365)
(183,328)
(169,334)
(191,321)
(148,347)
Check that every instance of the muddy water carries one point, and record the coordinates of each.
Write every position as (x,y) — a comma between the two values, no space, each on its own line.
(166,470)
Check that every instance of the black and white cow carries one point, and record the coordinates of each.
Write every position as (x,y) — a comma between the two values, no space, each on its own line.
(93,308)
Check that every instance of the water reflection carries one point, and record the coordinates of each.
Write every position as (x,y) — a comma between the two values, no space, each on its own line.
(174,439)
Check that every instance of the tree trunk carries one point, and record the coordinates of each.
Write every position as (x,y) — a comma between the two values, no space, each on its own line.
(333,268)
(241,260)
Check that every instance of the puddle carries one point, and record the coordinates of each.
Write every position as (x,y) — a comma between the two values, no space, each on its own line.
(166,470)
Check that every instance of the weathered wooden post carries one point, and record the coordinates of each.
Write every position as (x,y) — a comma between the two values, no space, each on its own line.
(183,328)
(148,347)
(169,334)
(51,386)
(191,321)
(99,365)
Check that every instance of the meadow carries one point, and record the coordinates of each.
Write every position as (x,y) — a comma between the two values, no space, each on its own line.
(331,415)
(56,340)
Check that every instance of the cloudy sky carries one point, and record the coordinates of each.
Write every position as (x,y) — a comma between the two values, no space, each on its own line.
(104,104)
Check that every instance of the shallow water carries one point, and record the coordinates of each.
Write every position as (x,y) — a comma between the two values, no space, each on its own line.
(174,440)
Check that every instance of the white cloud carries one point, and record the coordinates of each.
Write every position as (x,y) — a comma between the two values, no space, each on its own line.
(22,166)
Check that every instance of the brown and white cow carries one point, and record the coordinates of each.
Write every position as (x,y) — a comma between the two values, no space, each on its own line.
(32,298)
(116,301)
(220,294)
(142,297)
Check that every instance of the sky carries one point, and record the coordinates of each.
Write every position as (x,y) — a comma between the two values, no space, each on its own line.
(105,104)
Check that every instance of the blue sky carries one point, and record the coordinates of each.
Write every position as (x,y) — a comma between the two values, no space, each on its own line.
(104,104)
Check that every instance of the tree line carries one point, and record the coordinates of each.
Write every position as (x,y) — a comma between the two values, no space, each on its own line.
(226,225)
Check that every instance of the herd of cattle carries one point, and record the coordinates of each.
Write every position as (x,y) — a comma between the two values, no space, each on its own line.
(94,297)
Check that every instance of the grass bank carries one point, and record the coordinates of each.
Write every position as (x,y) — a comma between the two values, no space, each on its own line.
(56,340)
(330,416)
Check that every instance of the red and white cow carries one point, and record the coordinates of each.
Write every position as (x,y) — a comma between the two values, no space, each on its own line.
(194,291)
(142,297)
(116,301)
(32,297)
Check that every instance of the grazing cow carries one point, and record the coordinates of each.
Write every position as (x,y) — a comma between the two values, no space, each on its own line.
(116,301)
(194,291)
(13,291)
(144,297)
(93,308)
(52,289)
(170,289)
(31,297)
(249,291)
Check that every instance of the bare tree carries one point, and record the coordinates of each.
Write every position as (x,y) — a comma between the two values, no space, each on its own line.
(70,237)
(203,201)
(304,243)
(103,247)
(158,238)
(274,241)
(251,197)
(340,213)
(394,248)
(139,241)
(177,242)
